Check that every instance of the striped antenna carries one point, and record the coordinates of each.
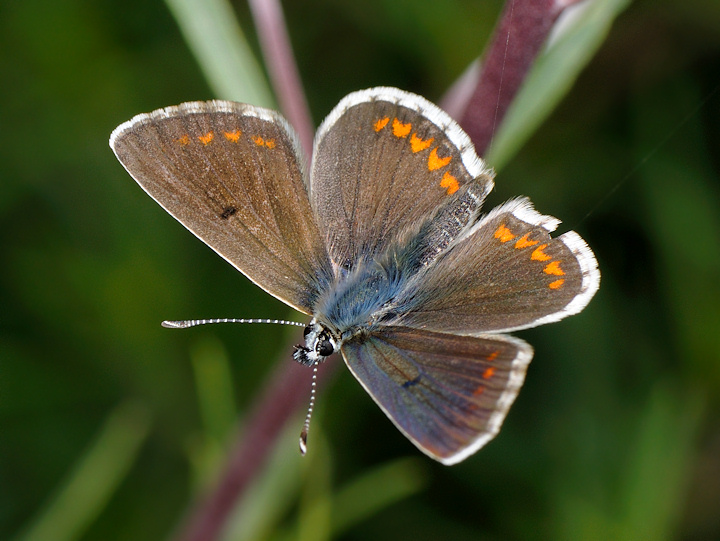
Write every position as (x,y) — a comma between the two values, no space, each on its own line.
(195,322)
(306,426)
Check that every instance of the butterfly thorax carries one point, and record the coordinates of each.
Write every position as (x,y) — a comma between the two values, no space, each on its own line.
(358,302)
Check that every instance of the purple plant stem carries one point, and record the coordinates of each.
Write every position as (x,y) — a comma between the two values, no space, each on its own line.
(523,29)
(286,392)
(456,98)
(280,62)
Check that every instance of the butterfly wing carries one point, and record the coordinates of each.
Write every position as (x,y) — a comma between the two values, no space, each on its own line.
(383,160)
(502,274)
(448,394)
(233,175)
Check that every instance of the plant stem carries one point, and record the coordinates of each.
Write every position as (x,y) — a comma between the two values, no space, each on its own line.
(281,66)
(523,29)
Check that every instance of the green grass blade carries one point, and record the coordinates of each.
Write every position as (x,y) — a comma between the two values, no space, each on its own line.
(214,35)
(377,490)
(94,479)
(213,378)
(273,493)
(662,463)
(553,74)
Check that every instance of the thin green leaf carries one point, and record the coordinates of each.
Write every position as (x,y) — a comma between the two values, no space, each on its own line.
(213,378)
(216,401)
(96,476)
(316,506)
(377,490)
(214,35)
(273,493)
(579,34)
(661,464)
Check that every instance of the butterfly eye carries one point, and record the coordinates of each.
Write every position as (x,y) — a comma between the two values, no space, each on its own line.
(325,348)
(307,330)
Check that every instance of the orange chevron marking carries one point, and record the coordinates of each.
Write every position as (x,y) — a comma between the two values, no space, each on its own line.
(503,234)
(184,140)
(418,144)
(524,242)
(207,138)
(554,268)
(259,141)
(435,162)
(380,124)
(450,182)
(493,356)
(556,284)
(539,255)
(400,129)
(233,136)
(488,372)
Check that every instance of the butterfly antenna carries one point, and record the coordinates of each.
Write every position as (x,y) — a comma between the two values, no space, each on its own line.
(195,322)
(306,426)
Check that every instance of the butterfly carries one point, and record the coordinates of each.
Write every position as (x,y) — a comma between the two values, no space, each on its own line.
(381,241)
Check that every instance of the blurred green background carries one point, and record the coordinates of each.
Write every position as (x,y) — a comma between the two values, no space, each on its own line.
(110,424)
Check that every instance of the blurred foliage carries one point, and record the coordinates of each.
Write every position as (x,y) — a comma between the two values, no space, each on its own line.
(110,425)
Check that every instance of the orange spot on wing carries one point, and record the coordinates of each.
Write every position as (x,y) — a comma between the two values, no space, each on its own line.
(553,268)
(539,255)
(503,234)
(435,162)
(259,141)
(493,356)
(418,144)
(524,241)
(184,140)
(477,392)
(556,284)
(380,124)
(400,129)
(488,372)
(450,182)
(233,136)
(207,138)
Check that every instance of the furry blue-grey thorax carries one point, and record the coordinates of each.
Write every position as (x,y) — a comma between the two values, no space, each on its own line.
(360,299)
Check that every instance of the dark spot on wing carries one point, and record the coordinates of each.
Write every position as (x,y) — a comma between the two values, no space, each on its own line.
(411,382)
(229,211)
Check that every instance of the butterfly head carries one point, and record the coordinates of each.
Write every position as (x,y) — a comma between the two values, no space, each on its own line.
(319,344)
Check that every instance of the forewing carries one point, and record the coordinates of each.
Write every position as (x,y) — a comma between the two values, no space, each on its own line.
(503,274)
(448,394)
(384,159)
(233,175)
